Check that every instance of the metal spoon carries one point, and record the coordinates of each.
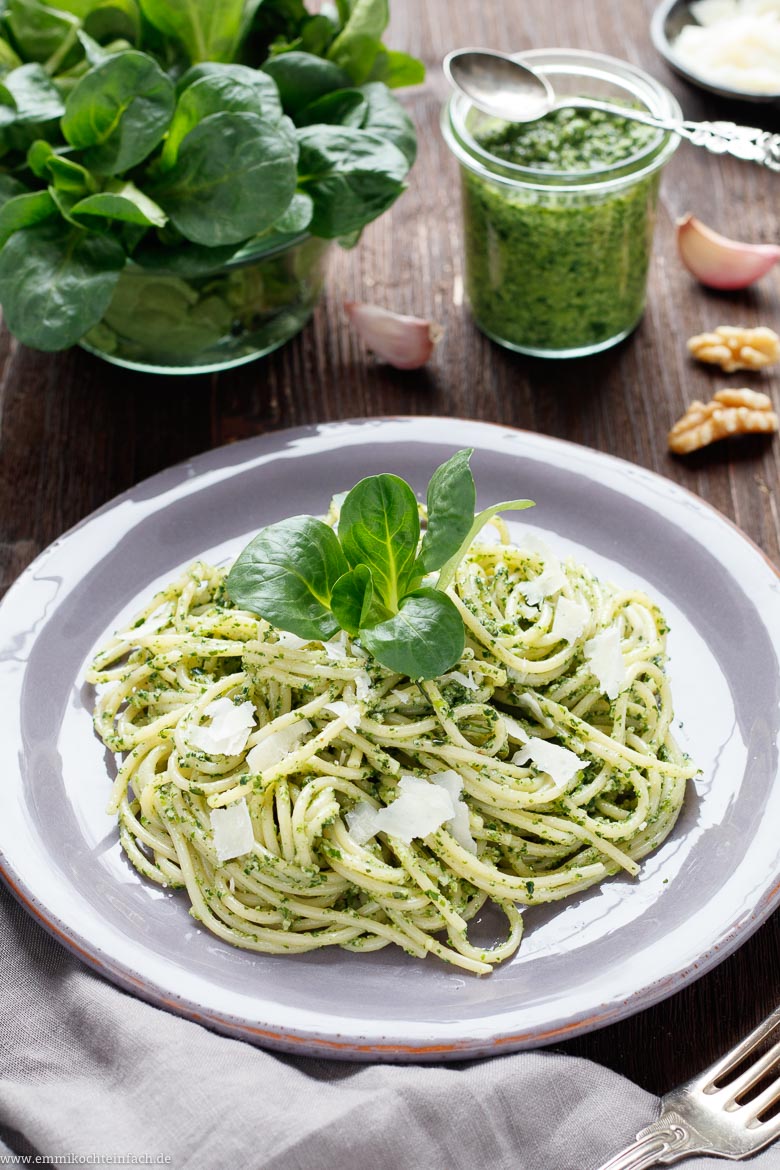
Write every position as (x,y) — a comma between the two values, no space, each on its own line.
(506,88)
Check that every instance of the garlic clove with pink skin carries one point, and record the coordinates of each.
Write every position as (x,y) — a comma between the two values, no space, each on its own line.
(719,262)
(404,342)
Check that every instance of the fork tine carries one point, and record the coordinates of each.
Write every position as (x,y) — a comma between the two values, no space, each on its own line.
(752,1075)
(769,1131)
(740,1052)
(770,1096)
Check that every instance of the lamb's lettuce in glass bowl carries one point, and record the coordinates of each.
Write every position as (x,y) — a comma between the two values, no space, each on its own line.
(171,173)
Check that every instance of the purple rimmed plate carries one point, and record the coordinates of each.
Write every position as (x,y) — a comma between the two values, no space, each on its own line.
(583,963)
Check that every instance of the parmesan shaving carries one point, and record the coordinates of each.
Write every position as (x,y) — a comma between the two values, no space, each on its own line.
(336,648)
(606,661)
(570,620)
(361,822)
(550,581)
(291,641)
(558,763)
(514,729)
(735,44)
(336,651)
(348,711)
(228,731)
(458,824)
(232,829)
(419,810)
(531,543)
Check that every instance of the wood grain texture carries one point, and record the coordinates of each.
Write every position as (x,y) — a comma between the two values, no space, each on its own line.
(74,431)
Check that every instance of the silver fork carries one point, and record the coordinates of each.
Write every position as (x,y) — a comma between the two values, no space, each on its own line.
(705,1116)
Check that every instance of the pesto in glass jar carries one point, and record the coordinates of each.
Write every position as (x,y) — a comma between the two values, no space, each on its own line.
(558,223)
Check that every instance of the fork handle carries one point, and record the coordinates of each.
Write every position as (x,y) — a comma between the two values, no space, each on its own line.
(665,1141)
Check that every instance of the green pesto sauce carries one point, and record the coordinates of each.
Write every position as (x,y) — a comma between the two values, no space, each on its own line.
(550,269)
(569,140)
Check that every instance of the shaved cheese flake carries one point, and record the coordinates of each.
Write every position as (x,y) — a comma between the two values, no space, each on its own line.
(402,696)
(532,704)
(466,681)
(458,825)
(712,11)
(547,584)
(550,581)
(570,620)
(362,686)
(735,45)
(606,661)
(335,651)
(361,822)
(531,543)
(348,711)
(558,763)
(228,731)
(419,810)
(232,829)
(277,745)
(450,781)
(336,648)
(290,641)
(514,729)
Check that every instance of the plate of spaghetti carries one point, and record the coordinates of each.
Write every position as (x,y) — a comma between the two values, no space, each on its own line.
(299,744)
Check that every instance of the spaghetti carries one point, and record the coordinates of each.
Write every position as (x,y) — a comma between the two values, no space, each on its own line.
(540,765)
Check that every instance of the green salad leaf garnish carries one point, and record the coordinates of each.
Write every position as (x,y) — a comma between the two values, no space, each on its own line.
(148,130)
(373,575)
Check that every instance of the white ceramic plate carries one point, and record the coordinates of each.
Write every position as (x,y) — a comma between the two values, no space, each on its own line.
(583,963)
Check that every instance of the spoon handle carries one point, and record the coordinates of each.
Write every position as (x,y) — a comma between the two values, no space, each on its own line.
(745,142)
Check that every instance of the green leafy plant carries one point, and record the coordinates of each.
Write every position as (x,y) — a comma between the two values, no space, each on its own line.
(175,133)
(374,576)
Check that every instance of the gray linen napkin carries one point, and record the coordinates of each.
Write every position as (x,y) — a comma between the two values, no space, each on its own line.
(86,1069)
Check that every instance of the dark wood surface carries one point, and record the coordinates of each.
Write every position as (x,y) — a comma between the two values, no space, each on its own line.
(74,431)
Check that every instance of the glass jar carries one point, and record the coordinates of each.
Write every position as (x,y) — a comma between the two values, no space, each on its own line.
(165,322)
(556,260)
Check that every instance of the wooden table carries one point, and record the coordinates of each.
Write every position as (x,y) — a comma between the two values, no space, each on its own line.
(75,431)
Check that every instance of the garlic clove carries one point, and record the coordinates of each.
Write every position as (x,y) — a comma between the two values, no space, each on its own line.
(719,262)
(404,342)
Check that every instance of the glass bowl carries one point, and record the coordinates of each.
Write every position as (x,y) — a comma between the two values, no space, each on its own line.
(162,321)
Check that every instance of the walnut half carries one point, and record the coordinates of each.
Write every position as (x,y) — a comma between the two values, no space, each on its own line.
(733,348)
(731,412)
